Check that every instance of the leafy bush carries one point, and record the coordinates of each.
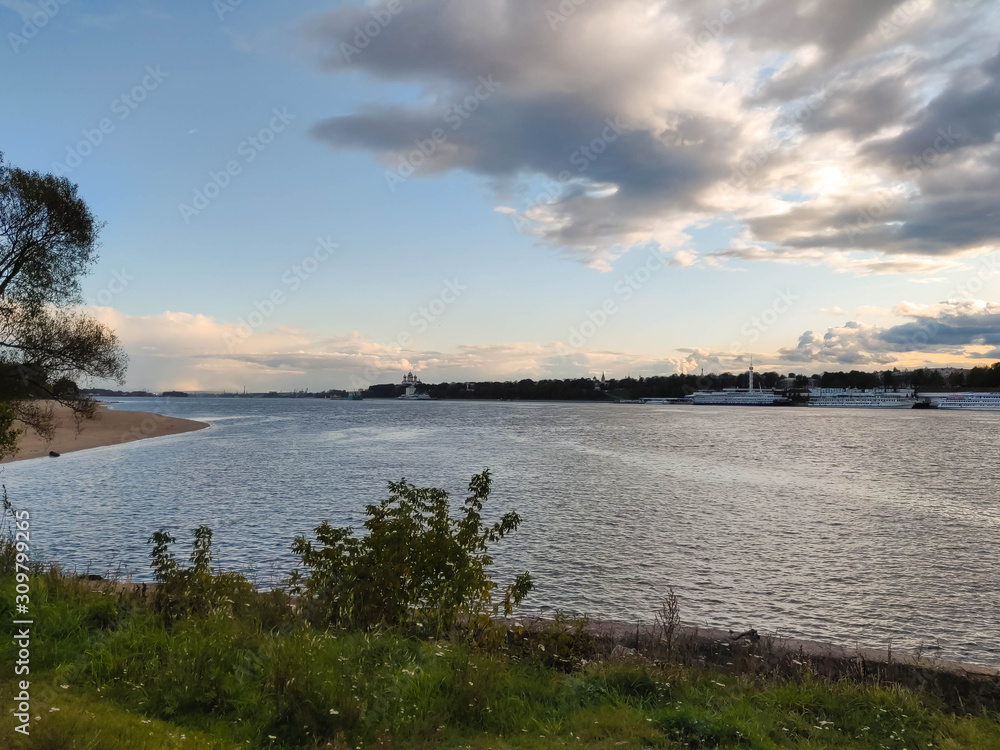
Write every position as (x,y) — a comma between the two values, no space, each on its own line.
(415,562)
(12,547)
(196,590)
(8,551)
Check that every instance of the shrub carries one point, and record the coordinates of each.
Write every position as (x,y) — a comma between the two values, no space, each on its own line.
(196,590)
(8,550)
(14,542)
(415,562)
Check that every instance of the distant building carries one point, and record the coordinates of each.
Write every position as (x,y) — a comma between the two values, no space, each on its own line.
(410,382)
(600,385)
(949,371)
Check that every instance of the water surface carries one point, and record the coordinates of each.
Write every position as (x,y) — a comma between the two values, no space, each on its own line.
(852,526)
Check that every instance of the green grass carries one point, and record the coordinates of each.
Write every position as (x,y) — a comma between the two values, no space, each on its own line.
(122,677)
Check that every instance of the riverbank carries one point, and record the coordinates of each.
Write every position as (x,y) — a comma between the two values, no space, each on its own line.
(109,670)
(108,427)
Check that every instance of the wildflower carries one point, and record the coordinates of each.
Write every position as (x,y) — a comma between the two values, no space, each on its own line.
(334,711)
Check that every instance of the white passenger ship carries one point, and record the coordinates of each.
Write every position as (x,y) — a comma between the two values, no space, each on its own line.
(739,396)
(852,398)
(971,401)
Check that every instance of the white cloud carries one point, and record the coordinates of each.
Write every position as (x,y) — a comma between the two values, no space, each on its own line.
(955,329)
(196,352)
(816,126)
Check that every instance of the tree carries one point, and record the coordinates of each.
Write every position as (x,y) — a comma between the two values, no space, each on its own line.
(48,241)
(8,432)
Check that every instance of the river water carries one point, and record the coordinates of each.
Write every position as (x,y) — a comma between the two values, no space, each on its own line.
(850,526)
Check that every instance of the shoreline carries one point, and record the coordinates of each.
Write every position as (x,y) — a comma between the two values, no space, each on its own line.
(108,427)
(960,684)
(713,645)
(642,635)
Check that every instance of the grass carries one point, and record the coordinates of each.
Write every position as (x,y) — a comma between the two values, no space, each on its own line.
(110,672)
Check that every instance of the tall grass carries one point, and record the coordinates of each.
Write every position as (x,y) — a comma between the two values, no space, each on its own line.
(260,677)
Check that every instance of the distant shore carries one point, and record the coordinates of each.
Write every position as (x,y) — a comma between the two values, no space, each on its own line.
(107,428)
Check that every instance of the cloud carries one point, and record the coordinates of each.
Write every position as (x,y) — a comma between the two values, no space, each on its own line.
(853,343)
(197,352)
(956,328)
(816,126)
(832,311)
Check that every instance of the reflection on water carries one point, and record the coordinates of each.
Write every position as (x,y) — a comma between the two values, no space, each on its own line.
(844,525)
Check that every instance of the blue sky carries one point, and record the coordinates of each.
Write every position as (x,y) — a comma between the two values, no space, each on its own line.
(208,84)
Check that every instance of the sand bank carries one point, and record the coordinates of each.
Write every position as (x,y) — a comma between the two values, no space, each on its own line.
(107,428)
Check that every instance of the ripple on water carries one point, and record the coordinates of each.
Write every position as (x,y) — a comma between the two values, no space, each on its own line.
(853,526)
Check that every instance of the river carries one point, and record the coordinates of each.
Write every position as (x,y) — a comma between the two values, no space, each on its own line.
(850,526)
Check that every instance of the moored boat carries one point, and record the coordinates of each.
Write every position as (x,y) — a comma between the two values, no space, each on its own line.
(971,401)
(851,398)
(740,396)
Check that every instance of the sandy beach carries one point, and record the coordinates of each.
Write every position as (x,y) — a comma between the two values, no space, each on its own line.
(107,428)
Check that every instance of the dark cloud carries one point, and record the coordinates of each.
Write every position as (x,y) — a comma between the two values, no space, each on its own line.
(700,88)
(948,327)
(862,108)
(965,114)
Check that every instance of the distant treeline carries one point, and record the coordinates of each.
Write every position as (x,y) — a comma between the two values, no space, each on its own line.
(103,392)
(677,386)
(986,377)
(577,389)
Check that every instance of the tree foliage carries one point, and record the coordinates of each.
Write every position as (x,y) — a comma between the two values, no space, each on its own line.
(48,241)
(681,385)
(8,432)
(415,561)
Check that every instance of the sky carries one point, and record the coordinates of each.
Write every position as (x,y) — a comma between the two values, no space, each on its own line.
(331,194)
